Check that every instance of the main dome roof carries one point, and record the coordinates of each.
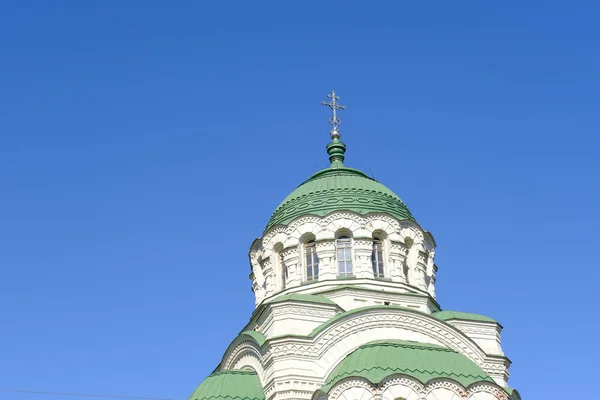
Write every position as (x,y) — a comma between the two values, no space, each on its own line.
(339,188)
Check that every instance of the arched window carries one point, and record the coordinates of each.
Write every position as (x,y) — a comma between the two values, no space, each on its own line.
(344,255)
(312,261)
(279,269)
(377,258)
(284,271)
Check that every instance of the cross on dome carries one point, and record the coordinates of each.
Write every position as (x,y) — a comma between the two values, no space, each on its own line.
(334,120)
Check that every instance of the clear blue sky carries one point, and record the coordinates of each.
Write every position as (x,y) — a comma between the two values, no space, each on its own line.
(146,143)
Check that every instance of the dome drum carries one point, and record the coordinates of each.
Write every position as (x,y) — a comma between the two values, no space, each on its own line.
(377,246)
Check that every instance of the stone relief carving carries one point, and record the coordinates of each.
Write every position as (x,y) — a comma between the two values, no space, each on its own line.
(393,388)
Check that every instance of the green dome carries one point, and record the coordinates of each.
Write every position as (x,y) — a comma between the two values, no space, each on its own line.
(230,385)
(378,360)
(339,188)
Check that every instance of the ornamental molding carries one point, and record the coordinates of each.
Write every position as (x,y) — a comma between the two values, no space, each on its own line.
(303,311)
(402,293)
(367,244)
(499,393)
(409,229)
(476,330)
(266,240)
(295,394)
(349,383)
(289,386)
(443,384)
(405,228)
(323,247)
(426,391)
(398,247)
(238,349)
(392,381)
(495,365)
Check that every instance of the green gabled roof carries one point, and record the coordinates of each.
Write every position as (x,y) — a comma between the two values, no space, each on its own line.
(306,298)
(447,315)
(377,360)
(339,188)
(257,336)
(230,385)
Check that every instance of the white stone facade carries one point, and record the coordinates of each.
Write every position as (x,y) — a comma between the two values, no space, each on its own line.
(294,345)
(295,364)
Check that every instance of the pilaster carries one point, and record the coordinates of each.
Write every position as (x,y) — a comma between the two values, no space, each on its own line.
(362,257)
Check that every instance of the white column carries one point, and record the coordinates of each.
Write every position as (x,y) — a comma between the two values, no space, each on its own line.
(395,270)
(327,264)
(421,268)
(269,275)
(362,249)
(291,260)
(431,270)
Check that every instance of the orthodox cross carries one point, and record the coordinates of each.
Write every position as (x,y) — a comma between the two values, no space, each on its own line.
(334,120)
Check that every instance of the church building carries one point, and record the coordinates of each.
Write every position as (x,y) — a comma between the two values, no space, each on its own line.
(344,279)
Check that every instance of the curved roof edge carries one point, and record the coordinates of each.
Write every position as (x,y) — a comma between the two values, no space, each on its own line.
(449,315)
(305,298)
(258,337)
(230,385)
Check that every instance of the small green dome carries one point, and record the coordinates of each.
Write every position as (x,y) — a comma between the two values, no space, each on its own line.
(230,385)
(339,188)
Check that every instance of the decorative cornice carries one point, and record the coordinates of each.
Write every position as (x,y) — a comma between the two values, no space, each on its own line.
(427,390)
(322,313)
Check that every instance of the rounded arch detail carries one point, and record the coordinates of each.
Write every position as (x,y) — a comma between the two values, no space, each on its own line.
(340,338)
(244,351)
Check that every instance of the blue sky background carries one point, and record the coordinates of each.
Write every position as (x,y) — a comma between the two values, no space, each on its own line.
(146,143)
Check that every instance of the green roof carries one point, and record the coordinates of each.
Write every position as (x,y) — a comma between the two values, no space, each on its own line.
(306,298)
(339,188)
(377,360)
(232,384)
(447,315)
(257,336)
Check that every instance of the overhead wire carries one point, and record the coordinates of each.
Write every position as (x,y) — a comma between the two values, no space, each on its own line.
(106,396)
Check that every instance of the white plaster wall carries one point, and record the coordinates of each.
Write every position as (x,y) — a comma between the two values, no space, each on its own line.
(294,318)
(485,334)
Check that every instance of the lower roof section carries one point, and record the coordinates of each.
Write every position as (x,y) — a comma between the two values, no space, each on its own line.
(380,359)
(230,385)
